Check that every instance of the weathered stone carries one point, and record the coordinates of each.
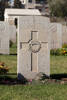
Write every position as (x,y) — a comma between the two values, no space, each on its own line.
(4,38)
(33,47)
(12,32)
(64,35)
(55,30)
(12,14)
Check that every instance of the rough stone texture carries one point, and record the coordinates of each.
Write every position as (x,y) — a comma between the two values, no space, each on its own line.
(12,32)
(64,35)
(55,30)
(33,47)
(4,38)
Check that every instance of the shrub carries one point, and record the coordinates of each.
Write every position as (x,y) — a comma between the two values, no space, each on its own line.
(64,45)
(62,51)
(58,8)
(55,51)
(3,69)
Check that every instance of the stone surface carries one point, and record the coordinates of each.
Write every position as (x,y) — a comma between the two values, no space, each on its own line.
(12,32)
(4,38)
(33,47)
(64,35)
(55,30)
(22,12)
(14,13)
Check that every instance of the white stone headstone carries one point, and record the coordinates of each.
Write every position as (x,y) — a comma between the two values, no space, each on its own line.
(64,35)
(33,47)
(12,32)
(4,38)
(55,30)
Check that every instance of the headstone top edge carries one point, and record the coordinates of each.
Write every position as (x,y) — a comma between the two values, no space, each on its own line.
(22,12)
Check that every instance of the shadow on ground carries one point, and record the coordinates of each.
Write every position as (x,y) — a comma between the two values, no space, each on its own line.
(11,79)
(58,76)
(13,54)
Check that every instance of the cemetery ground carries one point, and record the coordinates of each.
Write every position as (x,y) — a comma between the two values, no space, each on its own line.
(50,90)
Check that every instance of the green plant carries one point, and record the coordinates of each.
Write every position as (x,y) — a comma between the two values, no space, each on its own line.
(55,51)
(64,45)
(58,8)
(58,52)
(3,68)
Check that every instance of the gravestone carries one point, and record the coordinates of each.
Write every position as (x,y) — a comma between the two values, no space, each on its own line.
(55,30)
(4,38)
(33,47)
(12,32)
(64,35)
